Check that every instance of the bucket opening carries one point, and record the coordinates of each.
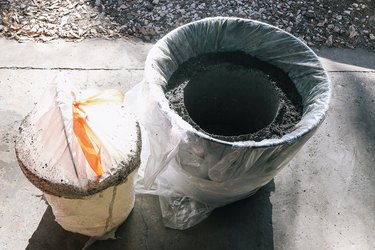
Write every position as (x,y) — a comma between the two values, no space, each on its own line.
(231,101)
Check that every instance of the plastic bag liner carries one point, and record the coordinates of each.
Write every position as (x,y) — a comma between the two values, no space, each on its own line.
(191,172)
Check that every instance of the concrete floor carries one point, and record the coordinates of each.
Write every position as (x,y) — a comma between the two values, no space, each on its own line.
(323,199)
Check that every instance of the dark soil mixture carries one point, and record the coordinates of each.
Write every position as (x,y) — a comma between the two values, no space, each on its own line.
(233,96)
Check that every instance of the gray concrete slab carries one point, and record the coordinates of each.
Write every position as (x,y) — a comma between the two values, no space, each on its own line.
(323,199)
(89,54)
(343,59)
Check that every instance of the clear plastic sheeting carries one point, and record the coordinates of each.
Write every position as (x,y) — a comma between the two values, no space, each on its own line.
(191,172)
(77,140)
(82,149)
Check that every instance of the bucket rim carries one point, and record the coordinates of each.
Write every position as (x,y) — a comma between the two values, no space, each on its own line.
(182,126)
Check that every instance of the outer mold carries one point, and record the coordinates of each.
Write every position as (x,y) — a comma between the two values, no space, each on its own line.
(192,172)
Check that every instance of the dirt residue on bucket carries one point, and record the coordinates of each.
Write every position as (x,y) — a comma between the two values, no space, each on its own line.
(233,96)
(29,161)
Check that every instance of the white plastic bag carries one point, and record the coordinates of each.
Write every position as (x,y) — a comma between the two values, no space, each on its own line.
(82,149)
(190,171)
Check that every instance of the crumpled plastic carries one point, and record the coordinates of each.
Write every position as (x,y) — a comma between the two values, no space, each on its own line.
(191,172)
(61,152)
(57,143)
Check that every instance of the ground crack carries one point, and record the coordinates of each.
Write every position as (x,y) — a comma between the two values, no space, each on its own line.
(351,71)
(64,68)
(145,233)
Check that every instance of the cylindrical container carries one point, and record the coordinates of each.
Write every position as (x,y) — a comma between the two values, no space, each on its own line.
(82,150)
(194,172)
(97,214)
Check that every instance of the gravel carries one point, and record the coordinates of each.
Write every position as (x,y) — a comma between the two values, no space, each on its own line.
(333,23)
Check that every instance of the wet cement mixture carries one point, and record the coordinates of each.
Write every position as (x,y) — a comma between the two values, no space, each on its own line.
(233,96)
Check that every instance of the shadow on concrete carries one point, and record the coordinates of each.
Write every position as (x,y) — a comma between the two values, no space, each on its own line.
(50,235)
(364,120)
(358,57)
(246,224)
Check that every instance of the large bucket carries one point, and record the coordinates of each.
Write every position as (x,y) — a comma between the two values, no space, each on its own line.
(194,172)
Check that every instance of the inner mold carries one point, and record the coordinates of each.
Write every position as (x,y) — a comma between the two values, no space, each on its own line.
(231,101)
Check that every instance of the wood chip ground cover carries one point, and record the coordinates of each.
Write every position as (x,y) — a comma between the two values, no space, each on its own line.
(333,23)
